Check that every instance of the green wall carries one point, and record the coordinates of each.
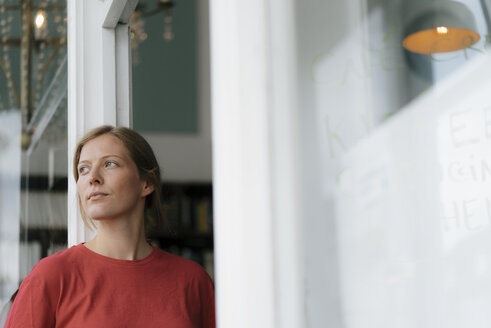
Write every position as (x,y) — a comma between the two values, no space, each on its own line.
(165,79)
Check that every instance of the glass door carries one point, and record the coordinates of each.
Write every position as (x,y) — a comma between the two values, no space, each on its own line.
(33,133)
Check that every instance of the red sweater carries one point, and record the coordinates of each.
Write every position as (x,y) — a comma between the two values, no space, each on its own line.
(80,288)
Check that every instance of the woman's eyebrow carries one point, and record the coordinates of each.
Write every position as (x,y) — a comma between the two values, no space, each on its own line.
(103,157)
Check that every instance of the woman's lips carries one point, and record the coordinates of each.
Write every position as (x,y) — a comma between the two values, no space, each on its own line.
(96,195)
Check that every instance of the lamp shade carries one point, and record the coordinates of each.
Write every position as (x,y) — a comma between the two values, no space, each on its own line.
(443,26)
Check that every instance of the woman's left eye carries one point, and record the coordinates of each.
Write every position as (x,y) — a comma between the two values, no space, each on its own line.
(111,164)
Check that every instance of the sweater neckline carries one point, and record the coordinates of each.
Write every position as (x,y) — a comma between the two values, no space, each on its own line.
(108,259)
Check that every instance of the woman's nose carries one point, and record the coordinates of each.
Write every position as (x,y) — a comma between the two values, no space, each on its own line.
(95,176)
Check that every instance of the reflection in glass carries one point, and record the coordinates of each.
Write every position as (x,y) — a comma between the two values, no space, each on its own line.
(374,163)
(439,27)
(33,131)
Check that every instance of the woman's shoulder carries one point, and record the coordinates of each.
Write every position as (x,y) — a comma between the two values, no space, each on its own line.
(181,265)
(57,262)
(49,271)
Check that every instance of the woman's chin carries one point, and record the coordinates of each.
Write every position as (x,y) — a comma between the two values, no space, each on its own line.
(99,217)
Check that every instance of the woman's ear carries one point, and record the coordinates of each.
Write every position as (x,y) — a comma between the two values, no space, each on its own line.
(148,188)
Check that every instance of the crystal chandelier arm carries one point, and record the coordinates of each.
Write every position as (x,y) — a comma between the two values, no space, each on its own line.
(46,65)
(25,61)
(8,76)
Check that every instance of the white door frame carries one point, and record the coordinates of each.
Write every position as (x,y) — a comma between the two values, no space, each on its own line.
(99,80)
(258,244)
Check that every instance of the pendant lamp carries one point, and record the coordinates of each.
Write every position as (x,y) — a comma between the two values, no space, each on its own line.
(443,26)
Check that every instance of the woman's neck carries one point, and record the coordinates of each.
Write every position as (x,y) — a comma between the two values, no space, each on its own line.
(120,241)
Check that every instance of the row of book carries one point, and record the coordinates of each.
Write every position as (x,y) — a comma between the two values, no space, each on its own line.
(190,214)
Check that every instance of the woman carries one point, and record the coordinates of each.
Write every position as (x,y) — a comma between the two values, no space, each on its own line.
(117,279)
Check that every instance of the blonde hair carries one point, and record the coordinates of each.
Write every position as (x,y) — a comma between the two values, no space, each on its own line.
(148,169)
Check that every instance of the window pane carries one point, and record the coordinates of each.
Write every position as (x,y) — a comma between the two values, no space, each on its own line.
(33,132)
(396,154)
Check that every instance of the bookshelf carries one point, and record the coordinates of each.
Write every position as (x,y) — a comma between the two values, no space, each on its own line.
(190,222)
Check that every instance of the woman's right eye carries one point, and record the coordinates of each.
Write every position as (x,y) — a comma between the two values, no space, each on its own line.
(83,169)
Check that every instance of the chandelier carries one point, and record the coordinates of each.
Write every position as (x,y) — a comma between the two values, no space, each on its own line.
(32,47)
(33,39)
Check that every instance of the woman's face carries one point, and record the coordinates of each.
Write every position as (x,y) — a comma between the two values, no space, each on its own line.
(109,185)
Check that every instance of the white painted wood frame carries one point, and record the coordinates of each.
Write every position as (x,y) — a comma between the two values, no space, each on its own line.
(258,244)
(99,80)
